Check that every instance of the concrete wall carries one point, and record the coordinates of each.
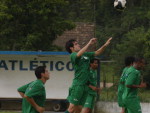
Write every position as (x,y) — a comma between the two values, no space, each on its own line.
(100,107)
(17,105)
(112,107)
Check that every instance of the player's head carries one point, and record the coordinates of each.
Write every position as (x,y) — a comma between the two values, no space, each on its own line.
(42,72)
(129,60)
(139,63)
(94,63)
(72,46)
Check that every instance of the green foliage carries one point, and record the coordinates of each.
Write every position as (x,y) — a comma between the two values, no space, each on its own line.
(80,10)
(129,29)
(31,24)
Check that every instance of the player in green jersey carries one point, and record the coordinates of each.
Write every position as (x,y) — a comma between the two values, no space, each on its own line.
(34,94)
(132,83)
(93,88)
(80,60)
(128,62)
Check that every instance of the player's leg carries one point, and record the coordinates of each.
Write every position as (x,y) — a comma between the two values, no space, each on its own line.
(86,110)
(83,94)
(78,109)
(74,98)
(89,104)
(71,108)
(120,101)
(133,106)
(123,110)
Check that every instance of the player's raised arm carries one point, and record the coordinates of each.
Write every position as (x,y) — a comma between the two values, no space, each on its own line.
(101,49)
(84,49)
(142,85)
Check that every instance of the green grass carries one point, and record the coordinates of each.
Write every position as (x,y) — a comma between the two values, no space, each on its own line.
(108,73)
(8,112)
(110,94)
(144,95)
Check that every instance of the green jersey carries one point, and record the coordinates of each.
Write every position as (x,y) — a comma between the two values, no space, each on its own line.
(93,81)
(35,90)
(121,86)
(134,78)
(122,80)
(81,66)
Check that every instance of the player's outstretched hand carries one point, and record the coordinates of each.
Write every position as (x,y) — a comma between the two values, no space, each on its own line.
(93,41)
(108,41)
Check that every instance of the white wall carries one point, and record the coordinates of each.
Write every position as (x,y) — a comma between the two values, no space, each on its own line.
(15,71)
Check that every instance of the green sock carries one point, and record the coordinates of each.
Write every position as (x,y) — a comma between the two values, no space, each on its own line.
(67,111)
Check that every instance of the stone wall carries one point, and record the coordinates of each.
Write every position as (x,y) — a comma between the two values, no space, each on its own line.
(83,32)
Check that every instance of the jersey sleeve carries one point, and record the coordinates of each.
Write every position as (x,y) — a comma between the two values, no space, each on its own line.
(35,90)
(74,57)
(132,77)
(23,88)
(90,54)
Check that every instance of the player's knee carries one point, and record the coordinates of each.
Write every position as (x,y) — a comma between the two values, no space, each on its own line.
(86,110)
(71,108)
(78,108)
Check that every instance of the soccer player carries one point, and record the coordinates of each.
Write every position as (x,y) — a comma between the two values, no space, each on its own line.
(34,94)
(132,83)
(80,60)
(128,62)
(93,89)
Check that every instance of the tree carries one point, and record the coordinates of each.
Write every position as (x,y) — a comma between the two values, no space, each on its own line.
(31,24)
(129,29)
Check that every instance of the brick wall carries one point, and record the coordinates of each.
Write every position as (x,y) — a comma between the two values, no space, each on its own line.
(83,32)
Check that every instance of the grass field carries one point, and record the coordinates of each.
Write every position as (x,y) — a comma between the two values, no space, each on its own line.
(110,94)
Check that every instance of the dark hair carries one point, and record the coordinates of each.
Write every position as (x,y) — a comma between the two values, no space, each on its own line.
(129,60)
(92,60)
(69,44)
(39,70)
